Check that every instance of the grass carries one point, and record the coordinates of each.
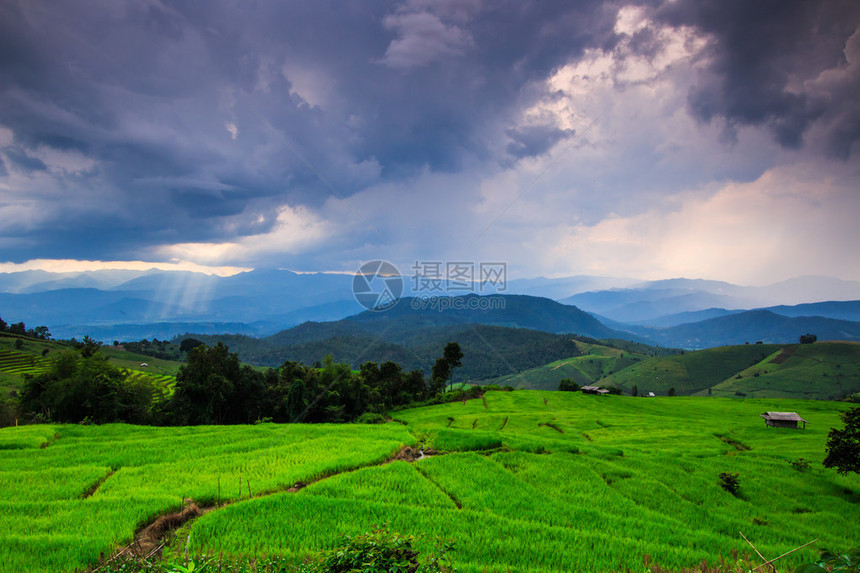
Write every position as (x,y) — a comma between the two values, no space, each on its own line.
(690,372)
(824,370)
(533,481)
(70,493)
(133,361)
(525,497)
(596,362)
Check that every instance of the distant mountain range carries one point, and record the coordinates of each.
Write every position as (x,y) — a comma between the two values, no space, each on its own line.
(529,332)
(650,302)
(131,305)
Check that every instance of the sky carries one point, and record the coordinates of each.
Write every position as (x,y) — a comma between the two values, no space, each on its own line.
(710,139)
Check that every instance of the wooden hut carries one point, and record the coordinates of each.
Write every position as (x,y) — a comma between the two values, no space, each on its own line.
(594,390)
(783,419)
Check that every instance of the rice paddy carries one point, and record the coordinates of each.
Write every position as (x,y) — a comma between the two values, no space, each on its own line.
(532,481)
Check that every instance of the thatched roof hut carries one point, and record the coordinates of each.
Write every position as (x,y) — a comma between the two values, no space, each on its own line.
(783,419)
(594,390)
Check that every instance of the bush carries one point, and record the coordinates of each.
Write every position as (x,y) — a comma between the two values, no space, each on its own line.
(370,418)
(829,561)
(567,385)
(800,464)
(379,551)
(730,483)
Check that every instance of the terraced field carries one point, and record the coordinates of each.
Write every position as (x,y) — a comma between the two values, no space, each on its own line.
(531,481)
(596,362)
(568,482)
(14,362)
(824,370)
(71,493)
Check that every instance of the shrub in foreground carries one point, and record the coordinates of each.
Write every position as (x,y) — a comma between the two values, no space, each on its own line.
(380,551)
(730,483)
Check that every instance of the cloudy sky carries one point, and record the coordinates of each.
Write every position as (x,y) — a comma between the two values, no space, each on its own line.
(699,138)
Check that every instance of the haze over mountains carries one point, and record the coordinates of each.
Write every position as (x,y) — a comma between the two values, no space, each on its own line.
(125,305)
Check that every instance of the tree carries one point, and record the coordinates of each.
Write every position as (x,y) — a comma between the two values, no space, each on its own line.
(438,375)
(452,355)
(42,333)
(76,388)
(205,385)
(189,344)
(18,328)
(808,338)
(567,385)
(672,391)
(843,446)
(634,391)
(89,346)
(3,325)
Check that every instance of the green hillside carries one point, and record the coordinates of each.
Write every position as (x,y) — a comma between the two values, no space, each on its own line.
(532,482)
(690,372)
(133,361)
(596,361)
(29,359)
(824,370)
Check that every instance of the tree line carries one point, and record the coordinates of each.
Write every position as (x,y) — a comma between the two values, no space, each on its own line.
(214,387)
(19,328)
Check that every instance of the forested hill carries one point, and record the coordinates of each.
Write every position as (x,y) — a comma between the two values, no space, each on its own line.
(489,351)
(519,311)
(499,335)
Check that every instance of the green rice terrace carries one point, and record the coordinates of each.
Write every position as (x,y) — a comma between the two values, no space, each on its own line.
(34,357)
(530,481)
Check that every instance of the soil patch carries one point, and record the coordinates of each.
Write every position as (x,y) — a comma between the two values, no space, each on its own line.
(150,540)
(408,454)
(297,486)
(784,355)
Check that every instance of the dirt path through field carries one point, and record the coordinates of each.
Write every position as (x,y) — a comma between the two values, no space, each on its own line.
(150,540)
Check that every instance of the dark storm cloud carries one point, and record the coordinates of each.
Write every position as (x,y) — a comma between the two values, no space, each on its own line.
(162,94)
(535,140)
(24,162)
(150,123)
(765,59)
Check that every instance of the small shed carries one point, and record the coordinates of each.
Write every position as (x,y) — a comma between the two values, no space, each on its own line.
(783,419)
(594,390)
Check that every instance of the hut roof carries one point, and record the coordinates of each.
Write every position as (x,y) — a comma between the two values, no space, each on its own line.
(784,416)
(592,388)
